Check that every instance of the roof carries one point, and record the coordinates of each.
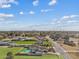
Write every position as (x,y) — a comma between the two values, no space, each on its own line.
(3,42)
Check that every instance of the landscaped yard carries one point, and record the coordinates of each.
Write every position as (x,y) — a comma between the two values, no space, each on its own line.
(4,50)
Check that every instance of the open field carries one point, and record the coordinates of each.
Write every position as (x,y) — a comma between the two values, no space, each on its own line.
(4,50)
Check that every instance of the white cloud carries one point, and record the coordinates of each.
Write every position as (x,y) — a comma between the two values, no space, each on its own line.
(66,20)
(21,13)
(6,6)
(52,2)
(65,17)
(7,22)
(72,21)
(6,3)
(46,10)
(6,15)
(35,2)
(31,12)
(70,16)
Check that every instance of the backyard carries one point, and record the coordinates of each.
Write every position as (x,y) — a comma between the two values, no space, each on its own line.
(4,50)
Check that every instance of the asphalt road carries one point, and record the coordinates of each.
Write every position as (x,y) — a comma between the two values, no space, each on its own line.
(59,49)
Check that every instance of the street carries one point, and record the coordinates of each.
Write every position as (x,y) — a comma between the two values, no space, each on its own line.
(59,49)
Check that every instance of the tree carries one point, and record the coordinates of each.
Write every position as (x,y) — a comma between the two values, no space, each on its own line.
(56,37)
(78,43)
(9,55)
(66,39)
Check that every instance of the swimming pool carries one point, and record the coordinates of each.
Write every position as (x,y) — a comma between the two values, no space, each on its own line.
(27,51)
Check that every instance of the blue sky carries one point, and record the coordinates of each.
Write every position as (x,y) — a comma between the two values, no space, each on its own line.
(39,15)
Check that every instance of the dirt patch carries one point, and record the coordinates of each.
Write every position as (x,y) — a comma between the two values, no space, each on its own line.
(74,55)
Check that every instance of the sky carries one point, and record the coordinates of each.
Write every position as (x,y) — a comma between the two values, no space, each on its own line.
(54,15)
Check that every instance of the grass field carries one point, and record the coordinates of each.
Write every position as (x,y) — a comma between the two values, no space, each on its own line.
(29,42)
(4,50)
(24,42)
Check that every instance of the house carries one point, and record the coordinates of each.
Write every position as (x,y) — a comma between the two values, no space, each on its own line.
(4,43)
(21,38)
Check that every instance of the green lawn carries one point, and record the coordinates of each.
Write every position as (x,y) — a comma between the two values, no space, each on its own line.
(24,42)
(39,57)
(3,52)
(29,42)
